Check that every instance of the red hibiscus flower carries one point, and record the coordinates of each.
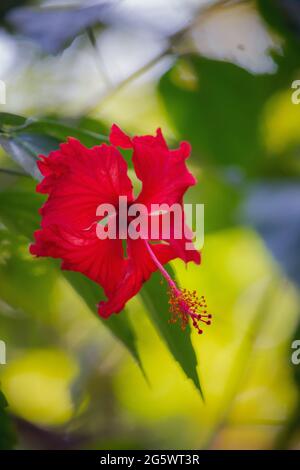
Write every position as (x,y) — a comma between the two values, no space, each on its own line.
(78,180)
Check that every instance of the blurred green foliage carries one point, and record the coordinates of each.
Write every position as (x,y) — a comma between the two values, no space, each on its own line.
(244,132)
(7,437)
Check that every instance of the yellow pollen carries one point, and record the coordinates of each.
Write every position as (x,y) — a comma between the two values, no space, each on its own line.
(185,304)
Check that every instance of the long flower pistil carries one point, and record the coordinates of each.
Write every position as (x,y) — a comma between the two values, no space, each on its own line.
(184,304)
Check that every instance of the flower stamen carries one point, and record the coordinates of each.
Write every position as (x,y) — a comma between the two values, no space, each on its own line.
(184,304)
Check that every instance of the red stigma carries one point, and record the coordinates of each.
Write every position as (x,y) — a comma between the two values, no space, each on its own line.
(185,304)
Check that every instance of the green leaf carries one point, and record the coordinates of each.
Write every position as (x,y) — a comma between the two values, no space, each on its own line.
(119,324)
(219,108)
(216,110)
(26,138)
(8,120)
(19,207)
(220,195)
(18,274)
(22,154)
(7,435)
(61,130)
(179,342)
(85,129)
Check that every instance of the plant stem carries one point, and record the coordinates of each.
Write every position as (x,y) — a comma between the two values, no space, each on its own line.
(11,172)
(99,59)
(112,91)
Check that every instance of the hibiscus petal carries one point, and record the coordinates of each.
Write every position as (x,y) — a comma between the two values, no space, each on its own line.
(139,268)
(165,179)
(179,235)
(163,173)
(78,180)
(118,138)
(82,251)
